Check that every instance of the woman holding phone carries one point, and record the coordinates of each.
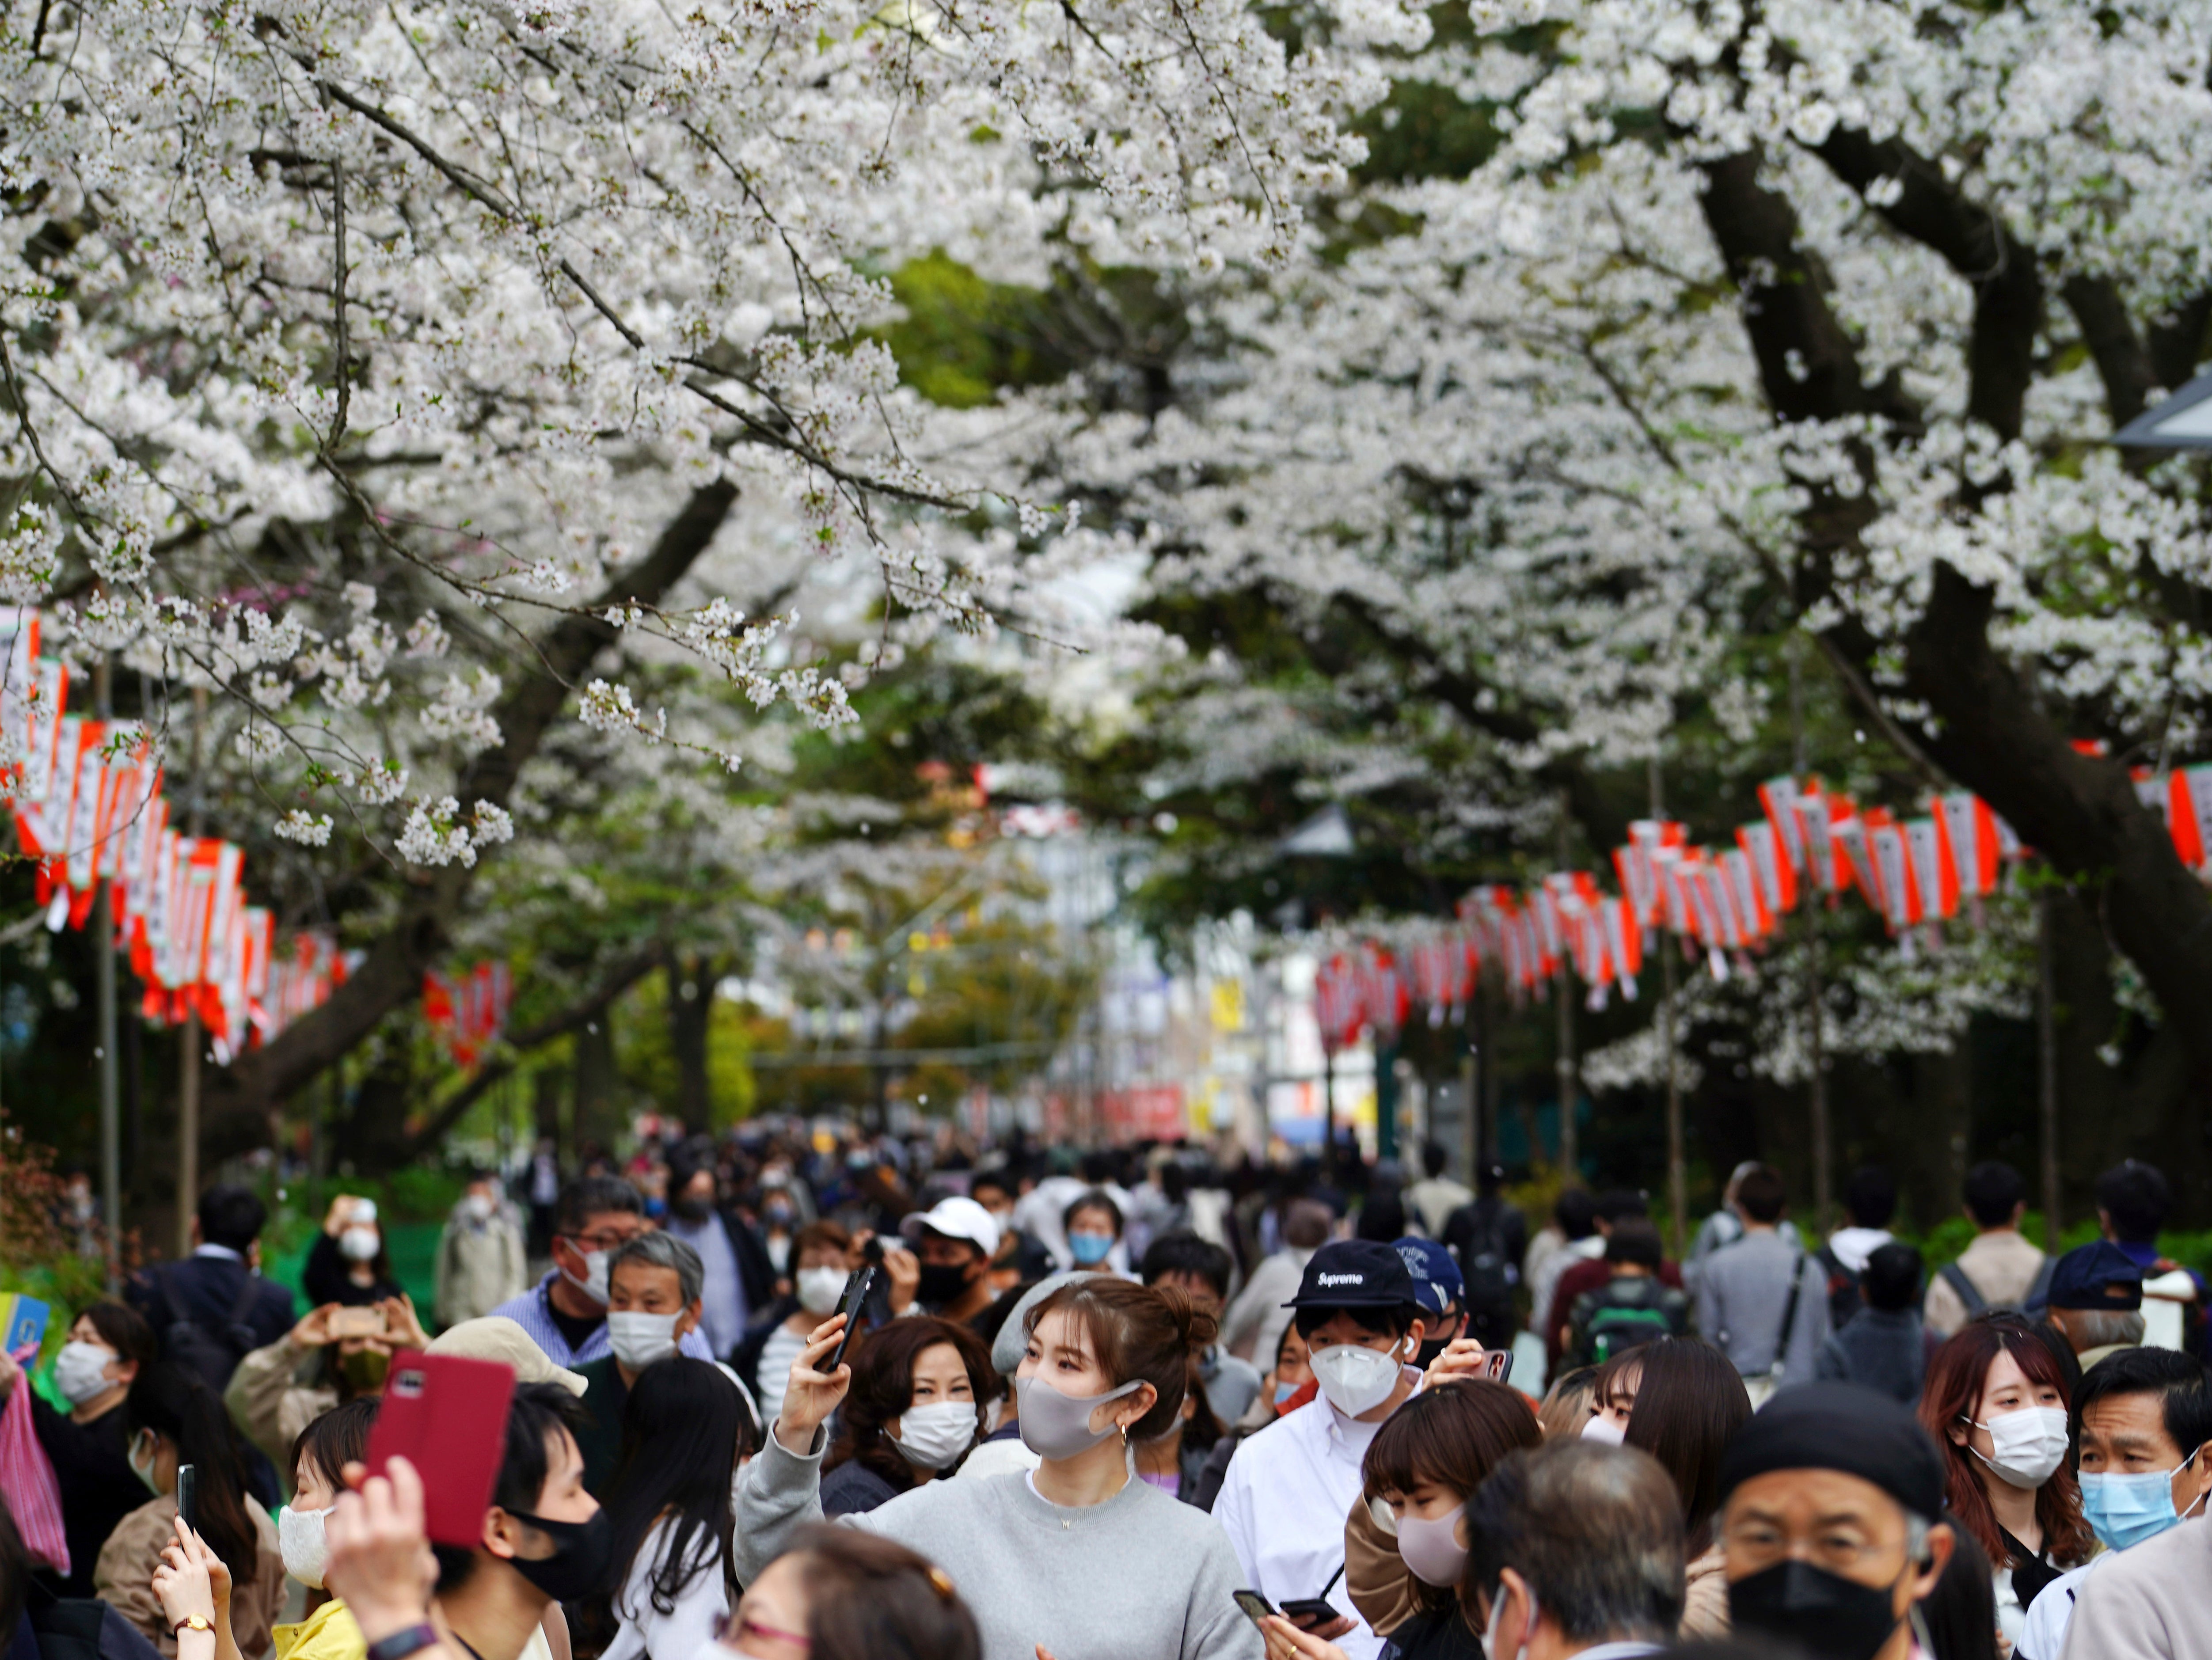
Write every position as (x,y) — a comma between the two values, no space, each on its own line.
(1079,1554)
(171,1420)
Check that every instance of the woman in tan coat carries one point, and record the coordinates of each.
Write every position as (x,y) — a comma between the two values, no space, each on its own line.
(1679,1400)
(171,1418)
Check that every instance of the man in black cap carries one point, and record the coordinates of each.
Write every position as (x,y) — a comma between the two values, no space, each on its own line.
(1829,1500)
(2096,1300)
(1289,1488)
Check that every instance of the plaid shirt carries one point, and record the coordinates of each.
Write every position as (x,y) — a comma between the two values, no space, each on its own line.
(530,1312)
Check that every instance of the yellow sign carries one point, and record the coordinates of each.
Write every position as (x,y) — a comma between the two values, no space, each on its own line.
(1229,1005)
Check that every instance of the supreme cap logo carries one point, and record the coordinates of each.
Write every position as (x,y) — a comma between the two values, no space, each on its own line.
(1341,1280)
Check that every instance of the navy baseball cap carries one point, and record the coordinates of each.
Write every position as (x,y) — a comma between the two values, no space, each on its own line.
(1437,1281)
(2097,1275)
(1356,1273)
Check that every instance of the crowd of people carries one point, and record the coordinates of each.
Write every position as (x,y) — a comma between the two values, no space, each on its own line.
(799,1396)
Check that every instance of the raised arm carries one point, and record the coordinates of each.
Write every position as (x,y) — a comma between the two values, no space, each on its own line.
(780,1491)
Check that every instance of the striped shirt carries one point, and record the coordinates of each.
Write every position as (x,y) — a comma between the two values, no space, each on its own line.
(530,1312)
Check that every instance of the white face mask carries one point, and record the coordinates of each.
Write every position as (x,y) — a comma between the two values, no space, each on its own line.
(593,1285)
(935,1434)
(1605,1428)
(2025,1445)
(80,1371)
(358,1244)
(478,1205)
(820,1288)
(639,1340)
(304,1545)
(145,1472)
(1355,1379)
(1490,1632)
(1430,1547)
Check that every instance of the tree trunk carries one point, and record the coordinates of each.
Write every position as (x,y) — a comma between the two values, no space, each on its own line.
(690,979)
(235,1116)
(597,1120)
(547,1107)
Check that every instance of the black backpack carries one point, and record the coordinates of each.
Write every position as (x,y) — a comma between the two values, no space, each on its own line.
(1488,1271)
(1844,1297)
(214,1354)
(1626,1312)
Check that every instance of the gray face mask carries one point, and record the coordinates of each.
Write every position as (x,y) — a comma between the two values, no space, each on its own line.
(1056,1425)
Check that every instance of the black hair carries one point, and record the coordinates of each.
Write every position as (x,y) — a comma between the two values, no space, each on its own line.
(1892,1280)
(1397,1319)
(1381,1219)
(593,1195)
(2180,1382)
(684,1427)
(1993,1191)
(124,1330)
(1002,1180)
(175,1402)
(536,1413)
(1184,1252)
(231,1216)
(333,1440)
(1576,1212)
(1961,1612)
(2135,1196)
(1618,1202)
(1760,1196)
(1871,1196)
(1434,1159)
(1634,1240)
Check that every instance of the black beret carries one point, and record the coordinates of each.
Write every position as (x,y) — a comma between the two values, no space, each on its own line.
(1839,1426)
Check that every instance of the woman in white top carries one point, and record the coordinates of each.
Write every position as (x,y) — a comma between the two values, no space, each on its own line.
(684,1429)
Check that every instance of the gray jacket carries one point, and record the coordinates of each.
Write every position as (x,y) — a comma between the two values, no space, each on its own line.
(1743,1295)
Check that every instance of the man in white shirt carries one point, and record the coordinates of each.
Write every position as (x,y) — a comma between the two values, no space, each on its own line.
(1291,1486)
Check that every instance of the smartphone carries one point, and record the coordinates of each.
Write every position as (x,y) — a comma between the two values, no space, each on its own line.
(188,1493)
(1497,1364)
(446,1415)
(1256,1608)
(356,1322)
(849,1305)
(1310,1611)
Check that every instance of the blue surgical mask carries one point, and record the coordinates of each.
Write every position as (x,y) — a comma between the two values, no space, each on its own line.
(2125,1509)
(1284,1392)
(1089,1249)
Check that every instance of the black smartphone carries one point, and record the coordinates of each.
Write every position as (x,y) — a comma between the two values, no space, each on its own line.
(188,1494)
(856,1294)
(871,1250)
(1309,1611)
(1256,1608)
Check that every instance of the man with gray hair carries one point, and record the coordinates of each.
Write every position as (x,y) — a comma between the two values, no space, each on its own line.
(654,1285)
(1575,1548)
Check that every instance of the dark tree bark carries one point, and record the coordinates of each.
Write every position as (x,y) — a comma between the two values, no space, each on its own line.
(235,1113)
(691,978)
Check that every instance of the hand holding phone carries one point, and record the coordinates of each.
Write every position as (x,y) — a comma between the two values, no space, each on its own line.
(447,1416)
(857,1287)
(356,1322)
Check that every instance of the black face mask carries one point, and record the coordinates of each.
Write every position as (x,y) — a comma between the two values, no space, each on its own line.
(1828,1616)
(693,1210)
(578,1566)
(1425,1356)
(942,1283)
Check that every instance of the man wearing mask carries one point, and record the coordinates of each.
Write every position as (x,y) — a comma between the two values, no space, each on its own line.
(740,1281)
(481,1263)
(1576,1549)
(1830,1496)
(1440,1291)
(1021,1256)
(654,1293)
(947,1271)
(1284,1501)
(2144,1416)
(565,1312)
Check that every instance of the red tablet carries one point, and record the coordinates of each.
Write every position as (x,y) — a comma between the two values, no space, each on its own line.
(447,1416)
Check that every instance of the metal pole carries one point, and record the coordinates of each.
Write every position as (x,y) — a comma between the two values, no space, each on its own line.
(1678,1170)
(2047,1056)
(188,1069)
(103,937)
(1327,1113)
(1468,1105)
(1570,1149)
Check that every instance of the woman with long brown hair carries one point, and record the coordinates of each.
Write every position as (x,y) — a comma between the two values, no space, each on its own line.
(915,1408)
(1405,1542)
(1679,1400)
(1997,1401)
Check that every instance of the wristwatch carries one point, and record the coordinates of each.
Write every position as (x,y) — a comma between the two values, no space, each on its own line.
(403,1642)
(191,1622)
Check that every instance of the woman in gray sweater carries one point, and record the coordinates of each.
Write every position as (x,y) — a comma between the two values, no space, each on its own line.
(1078,1561)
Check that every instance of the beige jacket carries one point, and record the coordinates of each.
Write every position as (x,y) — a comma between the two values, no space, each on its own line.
(1705,1601)
(125,1577)
(481,1265)
(2002,1267)
(266,1400)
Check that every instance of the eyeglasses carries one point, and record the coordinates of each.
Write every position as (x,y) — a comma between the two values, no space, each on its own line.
(1760,1544)
(730,1626)
(602,1240)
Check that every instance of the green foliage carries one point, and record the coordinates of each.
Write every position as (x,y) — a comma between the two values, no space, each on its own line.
(645,1053)
(963,337)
